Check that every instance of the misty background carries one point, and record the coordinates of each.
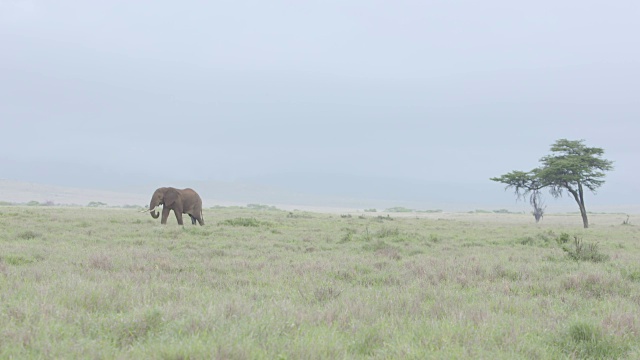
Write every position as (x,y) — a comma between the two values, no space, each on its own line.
(334,103)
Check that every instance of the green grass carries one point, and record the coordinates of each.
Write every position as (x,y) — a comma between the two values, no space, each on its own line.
(253,284)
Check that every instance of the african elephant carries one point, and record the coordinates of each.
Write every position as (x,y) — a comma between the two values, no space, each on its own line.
(185,201)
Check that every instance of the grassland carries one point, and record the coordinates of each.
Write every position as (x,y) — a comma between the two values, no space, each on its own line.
(268,284)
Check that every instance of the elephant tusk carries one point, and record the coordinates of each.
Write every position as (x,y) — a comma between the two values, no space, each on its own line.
(149,210)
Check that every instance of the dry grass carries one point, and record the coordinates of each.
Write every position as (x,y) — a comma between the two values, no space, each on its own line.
(112,283)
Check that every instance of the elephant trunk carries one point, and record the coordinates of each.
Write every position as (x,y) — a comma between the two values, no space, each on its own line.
(152,209)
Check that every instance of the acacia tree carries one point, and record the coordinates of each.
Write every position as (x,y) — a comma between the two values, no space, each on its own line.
(571,167)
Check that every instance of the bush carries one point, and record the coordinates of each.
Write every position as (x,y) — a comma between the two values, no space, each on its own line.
(562,239)
(582,251)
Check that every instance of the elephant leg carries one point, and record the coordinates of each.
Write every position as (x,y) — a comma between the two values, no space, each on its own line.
(165,215)
(178,216)
(193,220)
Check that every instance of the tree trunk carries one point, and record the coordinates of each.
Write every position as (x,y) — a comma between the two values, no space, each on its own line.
(579,196)
(585,220)
(583,209)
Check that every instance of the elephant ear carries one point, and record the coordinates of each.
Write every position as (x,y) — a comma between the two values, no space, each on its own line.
(170,197)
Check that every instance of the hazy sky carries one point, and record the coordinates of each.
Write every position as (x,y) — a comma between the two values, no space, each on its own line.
(92,93)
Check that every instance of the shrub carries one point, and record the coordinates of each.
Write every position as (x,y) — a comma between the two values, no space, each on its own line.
(541,239)
(582,251)
(563,238)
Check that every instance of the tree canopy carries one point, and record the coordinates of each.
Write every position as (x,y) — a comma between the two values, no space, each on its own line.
(570,168)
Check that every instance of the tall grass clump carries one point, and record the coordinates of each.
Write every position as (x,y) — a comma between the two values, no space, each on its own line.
(28,235)
(583,340)
(246,222)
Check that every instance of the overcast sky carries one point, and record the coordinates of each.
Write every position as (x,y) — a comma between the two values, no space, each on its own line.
(92,93)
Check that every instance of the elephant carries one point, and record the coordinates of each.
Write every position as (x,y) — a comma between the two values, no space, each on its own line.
(181,201)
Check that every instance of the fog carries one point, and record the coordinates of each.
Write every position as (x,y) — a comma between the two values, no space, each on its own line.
(406,101)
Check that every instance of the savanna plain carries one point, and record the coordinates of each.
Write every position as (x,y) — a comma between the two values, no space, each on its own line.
(105,283)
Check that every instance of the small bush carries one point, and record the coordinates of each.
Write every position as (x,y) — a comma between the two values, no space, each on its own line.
(582,251)
(563,238)
(541,239)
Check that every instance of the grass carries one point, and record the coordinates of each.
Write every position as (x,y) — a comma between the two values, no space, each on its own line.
(253,284)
